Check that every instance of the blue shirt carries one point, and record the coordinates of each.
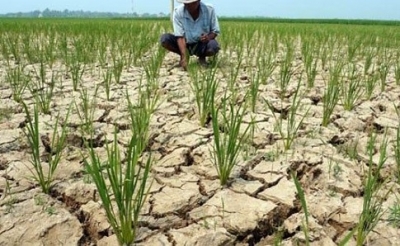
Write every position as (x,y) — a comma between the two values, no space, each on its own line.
(185,26)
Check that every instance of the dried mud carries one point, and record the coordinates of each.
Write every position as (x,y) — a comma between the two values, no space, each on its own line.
(187,205)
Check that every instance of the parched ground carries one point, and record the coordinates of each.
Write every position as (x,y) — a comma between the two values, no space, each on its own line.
(187,205)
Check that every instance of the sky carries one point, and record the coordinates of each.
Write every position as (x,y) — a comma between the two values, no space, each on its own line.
(325,9)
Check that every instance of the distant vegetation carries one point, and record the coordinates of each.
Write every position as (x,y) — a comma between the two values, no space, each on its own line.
(78,14)
(47,13)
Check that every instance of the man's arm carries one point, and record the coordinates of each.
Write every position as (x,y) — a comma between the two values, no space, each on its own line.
(180,33)
(182,51)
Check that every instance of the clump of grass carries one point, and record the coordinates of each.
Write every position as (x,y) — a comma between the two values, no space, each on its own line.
(352,91)
(310,53)
(43,90)
(127,186)
(372,205)
(300,193)
(128,178)
(372,202)
(107,82)
(397,153)
(332,92)
(370,84)
(18,82)
(57,144)
(286,72)
(204,87)
(289,131)
(394,215)
(86,110)
(227,137)
(77,70)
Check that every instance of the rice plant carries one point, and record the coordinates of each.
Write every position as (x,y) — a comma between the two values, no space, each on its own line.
(122,187)
(332,93)
(289,131)
(204,86)
(18,82)
(85,110)
(43,172)
(394,215)
(228,137)
(310,54)
(372,205)
(397,153)
(352,90)
(370,84)
(77,70)
(107,82)
(42,89)
(303,202)
(372,201)
(255,81)
(286,71)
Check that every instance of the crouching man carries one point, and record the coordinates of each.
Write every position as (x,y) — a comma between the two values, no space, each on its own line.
(195,27)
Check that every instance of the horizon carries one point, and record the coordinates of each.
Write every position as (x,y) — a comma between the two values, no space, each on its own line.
(285,9)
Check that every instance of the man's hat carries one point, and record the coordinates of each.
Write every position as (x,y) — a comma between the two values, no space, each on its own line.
(186,1)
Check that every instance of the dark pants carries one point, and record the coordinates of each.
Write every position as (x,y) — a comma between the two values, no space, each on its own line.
(199,49)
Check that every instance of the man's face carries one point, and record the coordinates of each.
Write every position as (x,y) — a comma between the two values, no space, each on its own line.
(192,6)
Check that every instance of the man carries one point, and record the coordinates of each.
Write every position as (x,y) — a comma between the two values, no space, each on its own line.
(195,28)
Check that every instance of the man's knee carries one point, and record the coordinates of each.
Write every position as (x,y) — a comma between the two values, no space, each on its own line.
(212,47)
(165,38)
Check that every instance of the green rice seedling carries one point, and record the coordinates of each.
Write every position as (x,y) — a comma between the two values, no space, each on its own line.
(232,73)
(370,82)
(369,54)
(153,65)
(397,153)
(394,215)
(383,71)
(57,144)
(310,54)
(140,114)
(122,187)
(332,93)
(397,68)
(324,51)
(118,66)
(353,45)
(228,139)
(18,82)
(372,205)
(286,70)
(204,85)
(303,202)
(13,43)
(384,65)
(28,49)
(266,64)
(290,130)
(255,81)
(372,202)
(42,90)
(86,110)
(107,81)
(352,90)
(49,47)
(77,70)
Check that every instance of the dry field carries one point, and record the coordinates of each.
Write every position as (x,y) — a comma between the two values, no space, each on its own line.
(290,137)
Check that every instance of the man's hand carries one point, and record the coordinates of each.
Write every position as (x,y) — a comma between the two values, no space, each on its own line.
(204,38)
(183,63)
